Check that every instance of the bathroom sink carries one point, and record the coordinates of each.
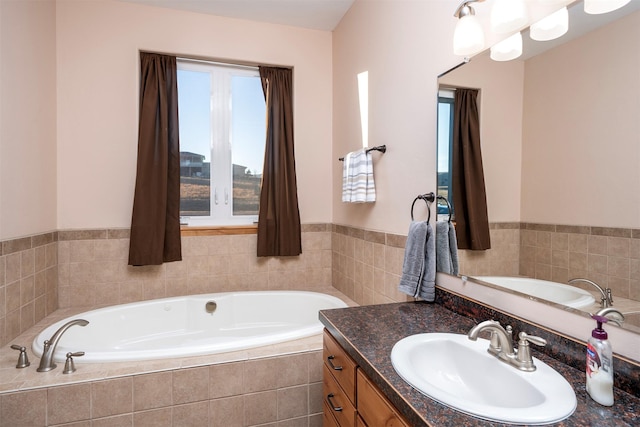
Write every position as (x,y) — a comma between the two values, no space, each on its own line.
(461,374)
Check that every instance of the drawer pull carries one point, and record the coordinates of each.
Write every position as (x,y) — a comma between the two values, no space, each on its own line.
(335,368)
(334,407)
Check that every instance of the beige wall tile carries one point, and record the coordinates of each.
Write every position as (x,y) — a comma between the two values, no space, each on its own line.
(226,380)
(190,385)
(111,397)
(68,403)
(153,418)
(293,402)
(125,420)
(227,412)
(191,415)
(260,374)
(152,391)
(12,267)
(292,370)
(260,408)
(315,398)
(24,409)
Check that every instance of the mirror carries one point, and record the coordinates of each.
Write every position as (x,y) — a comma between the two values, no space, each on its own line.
(561,149)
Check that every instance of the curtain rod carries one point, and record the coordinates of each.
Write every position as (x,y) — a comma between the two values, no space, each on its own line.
(225,64)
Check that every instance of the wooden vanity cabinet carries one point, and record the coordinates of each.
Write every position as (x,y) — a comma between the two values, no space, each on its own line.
(350,398)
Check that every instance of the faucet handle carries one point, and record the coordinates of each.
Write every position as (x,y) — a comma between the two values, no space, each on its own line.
(69,365)
(525,339)
(23,359)
(524,360)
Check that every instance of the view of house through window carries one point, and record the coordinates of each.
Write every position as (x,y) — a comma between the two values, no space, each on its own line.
(222,137)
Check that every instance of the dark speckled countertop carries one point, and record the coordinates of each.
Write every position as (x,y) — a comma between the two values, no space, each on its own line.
(368,333)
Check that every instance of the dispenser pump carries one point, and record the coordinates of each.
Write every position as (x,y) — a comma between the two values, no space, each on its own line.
(598,332)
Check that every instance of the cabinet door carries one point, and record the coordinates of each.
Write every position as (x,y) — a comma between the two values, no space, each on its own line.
(374,408)
(340,365)
(336,401)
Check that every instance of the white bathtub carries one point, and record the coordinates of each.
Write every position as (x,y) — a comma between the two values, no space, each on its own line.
(551,291)
(181,326)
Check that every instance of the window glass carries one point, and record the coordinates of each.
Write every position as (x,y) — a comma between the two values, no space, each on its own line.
(445,147)
(222,138)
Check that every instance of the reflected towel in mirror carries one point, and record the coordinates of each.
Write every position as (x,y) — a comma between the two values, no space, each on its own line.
(419,266)
(446,248)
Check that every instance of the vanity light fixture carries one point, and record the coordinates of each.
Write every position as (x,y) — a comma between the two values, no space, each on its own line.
(595,7)
(508,49)
(551,27)
(508,16)
(468,37)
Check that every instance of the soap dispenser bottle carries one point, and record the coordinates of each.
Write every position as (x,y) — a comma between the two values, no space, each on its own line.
(600,365)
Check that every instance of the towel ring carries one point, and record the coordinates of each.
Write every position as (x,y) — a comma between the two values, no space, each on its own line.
(428,199)
(448,205)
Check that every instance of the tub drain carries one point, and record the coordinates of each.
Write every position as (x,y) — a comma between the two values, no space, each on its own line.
(210,307)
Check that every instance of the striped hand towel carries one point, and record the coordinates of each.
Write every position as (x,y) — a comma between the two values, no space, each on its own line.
(358,185)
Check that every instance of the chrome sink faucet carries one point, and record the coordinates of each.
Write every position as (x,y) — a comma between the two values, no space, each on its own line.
(606,299)
(46,361)
(501,344)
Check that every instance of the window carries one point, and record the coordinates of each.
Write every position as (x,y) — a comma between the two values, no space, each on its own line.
(221,112)
(445,148)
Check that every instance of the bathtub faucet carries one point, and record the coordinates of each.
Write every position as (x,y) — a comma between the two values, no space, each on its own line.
(46,361)
(607,298)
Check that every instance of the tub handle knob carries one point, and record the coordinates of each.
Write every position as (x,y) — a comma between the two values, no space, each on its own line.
(69,365)
(23,359)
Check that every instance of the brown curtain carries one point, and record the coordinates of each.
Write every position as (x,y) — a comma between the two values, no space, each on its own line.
(469,196)
(279,217)
(155,222)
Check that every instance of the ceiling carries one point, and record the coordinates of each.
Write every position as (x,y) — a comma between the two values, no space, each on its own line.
(313,14)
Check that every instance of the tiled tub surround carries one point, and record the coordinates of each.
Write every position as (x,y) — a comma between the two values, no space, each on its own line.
(93,270)
(272,385)
(369,332)
(28,282)
(608,256)
(367,265)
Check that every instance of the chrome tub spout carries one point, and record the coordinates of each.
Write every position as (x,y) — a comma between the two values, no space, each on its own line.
(606,298)
(46,361)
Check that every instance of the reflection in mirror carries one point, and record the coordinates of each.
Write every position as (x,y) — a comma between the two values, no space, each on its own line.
(561,148)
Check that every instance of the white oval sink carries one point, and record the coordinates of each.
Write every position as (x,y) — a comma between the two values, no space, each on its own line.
(560,293)
(460,373)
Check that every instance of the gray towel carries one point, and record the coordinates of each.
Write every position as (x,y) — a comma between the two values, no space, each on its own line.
(446,248)
(419,267)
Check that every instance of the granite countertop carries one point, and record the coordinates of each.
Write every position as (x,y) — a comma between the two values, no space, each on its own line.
(368,333)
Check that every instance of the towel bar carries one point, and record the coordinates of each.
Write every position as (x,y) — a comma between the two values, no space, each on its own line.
(380,148)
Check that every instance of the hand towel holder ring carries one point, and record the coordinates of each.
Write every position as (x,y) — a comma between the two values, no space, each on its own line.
(428,199)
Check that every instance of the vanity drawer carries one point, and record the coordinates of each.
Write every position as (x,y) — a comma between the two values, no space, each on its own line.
(336,402)
(374,408)
(328,420)
(341,366)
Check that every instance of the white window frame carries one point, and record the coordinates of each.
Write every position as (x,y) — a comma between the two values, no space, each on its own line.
(220,144)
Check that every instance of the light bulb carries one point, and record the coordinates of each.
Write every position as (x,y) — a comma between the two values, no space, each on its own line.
(551,27)
(596,7)
(508,49)
(508,16)
(468,37)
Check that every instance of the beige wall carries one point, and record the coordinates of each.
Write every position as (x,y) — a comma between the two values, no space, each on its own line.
(401,45)
(27,118)
(500,107)
(97,49)
(581,131)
